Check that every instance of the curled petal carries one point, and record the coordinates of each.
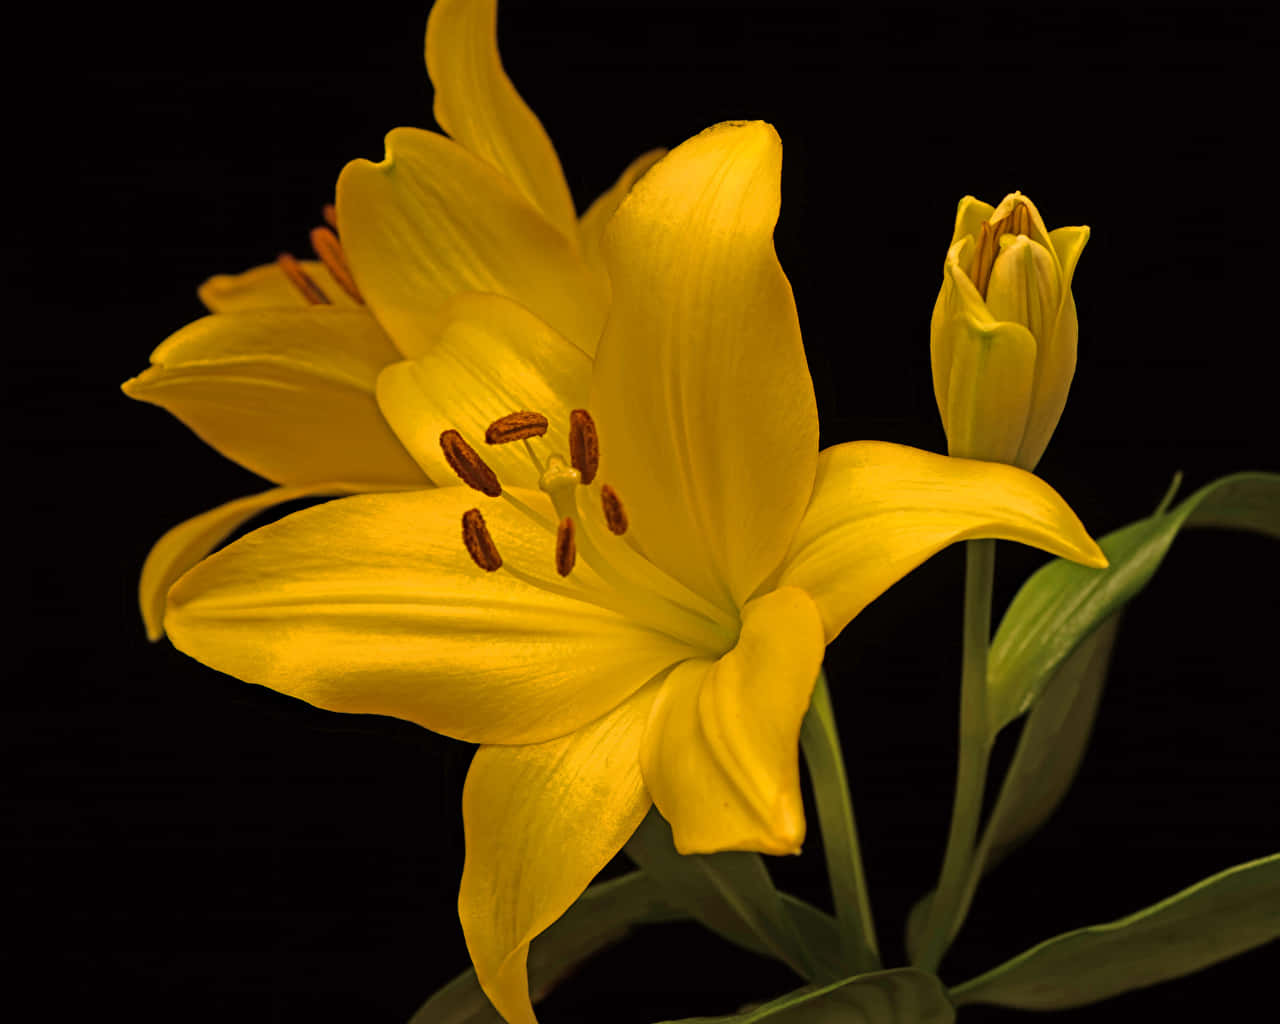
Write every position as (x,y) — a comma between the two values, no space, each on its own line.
(701,389)
(184,545)
(721,754)
(431,221)
(478,106)
(541,820)
(287,393)
(879,510)
(372,604)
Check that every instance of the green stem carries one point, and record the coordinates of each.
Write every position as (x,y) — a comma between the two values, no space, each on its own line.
(821,744)
(975,748)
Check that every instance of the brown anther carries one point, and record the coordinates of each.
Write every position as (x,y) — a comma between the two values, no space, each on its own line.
(584,444)
(331,215)
(300,280)
(615,516)
(480,546)
(566,549)
(515,426)
(329,249)
(471,469)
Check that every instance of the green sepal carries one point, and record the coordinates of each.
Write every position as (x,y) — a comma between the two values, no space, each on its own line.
(903,995)
(733,895)
(603,915)
(1063,603)
(1220,917)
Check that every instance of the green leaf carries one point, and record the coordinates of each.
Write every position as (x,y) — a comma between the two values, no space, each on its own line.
(900,996)
(1063,603)
(733,895)
(1222,916)
(603,915)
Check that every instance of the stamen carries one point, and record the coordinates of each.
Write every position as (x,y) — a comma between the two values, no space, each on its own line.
(329,249)
(1019,222)
(983,257)
(615,516)
(480,546)
(584,444)
(471,469)
(566,550)
(294,272)
(331,215)
(516,426)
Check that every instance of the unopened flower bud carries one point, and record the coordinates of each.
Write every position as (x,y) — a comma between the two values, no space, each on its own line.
(1003,336)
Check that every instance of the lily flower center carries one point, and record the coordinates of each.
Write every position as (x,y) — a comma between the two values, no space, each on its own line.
(590,528)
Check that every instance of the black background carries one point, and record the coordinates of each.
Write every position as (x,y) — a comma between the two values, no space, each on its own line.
(186,847)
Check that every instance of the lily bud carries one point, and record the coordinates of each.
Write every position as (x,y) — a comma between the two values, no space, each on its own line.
(1003,335)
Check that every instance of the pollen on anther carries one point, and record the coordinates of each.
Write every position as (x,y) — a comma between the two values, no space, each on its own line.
(301,280)
(331,215)
(584,444)
(479,544)
(615,516)
(566,548)
(471,469)
(329,249)
(516,426)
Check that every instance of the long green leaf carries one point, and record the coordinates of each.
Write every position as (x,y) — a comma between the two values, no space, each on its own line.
(1229,913)
(733,895)
(603,915)
(900,996)
(1063,603)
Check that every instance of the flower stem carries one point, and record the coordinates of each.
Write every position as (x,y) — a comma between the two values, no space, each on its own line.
(821,744)
(975,748)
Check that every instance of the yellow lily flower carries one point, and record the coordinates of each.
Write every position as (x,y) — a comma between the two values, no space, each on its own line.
(281,378)
(635,609)
(1003,334)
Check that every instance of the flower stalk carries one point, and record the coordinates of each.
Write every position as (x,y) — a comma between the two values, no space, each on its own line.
(975,749)
(820,741)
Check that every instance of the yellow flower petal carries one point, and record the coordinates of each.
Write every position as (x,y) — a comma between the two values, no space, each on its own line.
(989,395)
(267,287)
(540,822)
(879,510)
(592,223)
(287,394)
(720,753)
(476,103)
(970,213)
(432,220)
(184,545)
(371,604)
(708,425)
(493,357)
(1056,359)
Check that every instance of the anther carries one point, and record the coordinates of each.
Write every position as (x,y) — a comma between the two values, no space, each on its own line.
(615,516)
(300,279)
(331,215)
(329,249)
(584,444)
(471,469)
(1019,222)
(480,546)
(516,426)
(566,549)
